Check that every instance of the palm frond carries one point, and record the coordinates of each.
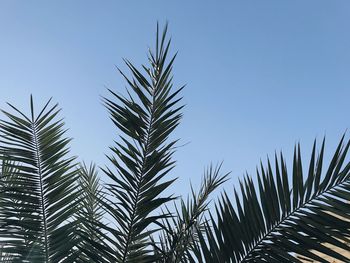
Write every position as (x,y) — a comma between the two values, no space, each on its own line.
(38,227)
(179,232)
(284,215)
(143,156)
(90,215)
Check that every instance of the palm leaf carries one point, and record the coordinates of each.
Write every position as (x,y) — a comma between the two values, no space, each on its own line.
(143,156)
(90,215)
(179,234)
(38,228)
(284,215)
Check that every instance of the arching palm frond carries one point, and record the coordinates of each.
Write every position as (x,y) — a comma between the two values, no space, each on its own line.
(143,156)
(284,216)
(38,227)
(179,232)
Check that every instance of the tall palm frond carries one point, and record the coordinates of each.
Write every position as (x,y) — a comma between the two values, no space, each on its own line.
(143,156)
(284,216)
(39,227)
(179,232)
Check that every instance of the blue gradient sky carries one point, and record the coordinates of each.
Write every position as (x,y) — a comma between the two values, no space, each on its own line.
(260,75)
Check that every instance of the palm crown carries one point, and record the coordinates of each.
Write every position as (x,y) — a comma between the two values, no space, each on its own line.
(53,209)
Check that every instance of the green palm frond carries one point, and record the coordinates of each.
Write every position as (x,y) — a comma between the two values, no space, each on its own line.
(284,215)
(38,228)
(143,156)
(179,232)
(90,215)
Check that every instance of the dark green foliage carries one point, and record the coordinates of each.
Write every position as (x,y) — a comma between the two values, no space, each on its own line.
(89,215)
(179,236)
(284,215)
(142,157)
(38,195)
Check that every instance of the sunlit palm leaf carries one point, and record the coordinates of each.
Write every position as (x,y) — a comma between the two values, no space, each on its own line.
(284,216)
(38,228)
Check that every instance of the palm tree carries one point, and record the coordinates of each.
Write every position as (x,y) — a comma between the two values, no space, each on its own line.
(53,209)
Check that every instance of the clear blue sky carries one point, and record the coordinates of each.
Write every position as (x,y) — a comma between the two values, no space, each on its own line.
(260,75)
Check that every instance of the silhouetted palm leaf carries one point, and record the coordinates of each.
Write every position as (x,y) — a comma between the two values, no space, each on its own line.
(142,157)
(282,217)
(39,198)
(90,215)
(179,232)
